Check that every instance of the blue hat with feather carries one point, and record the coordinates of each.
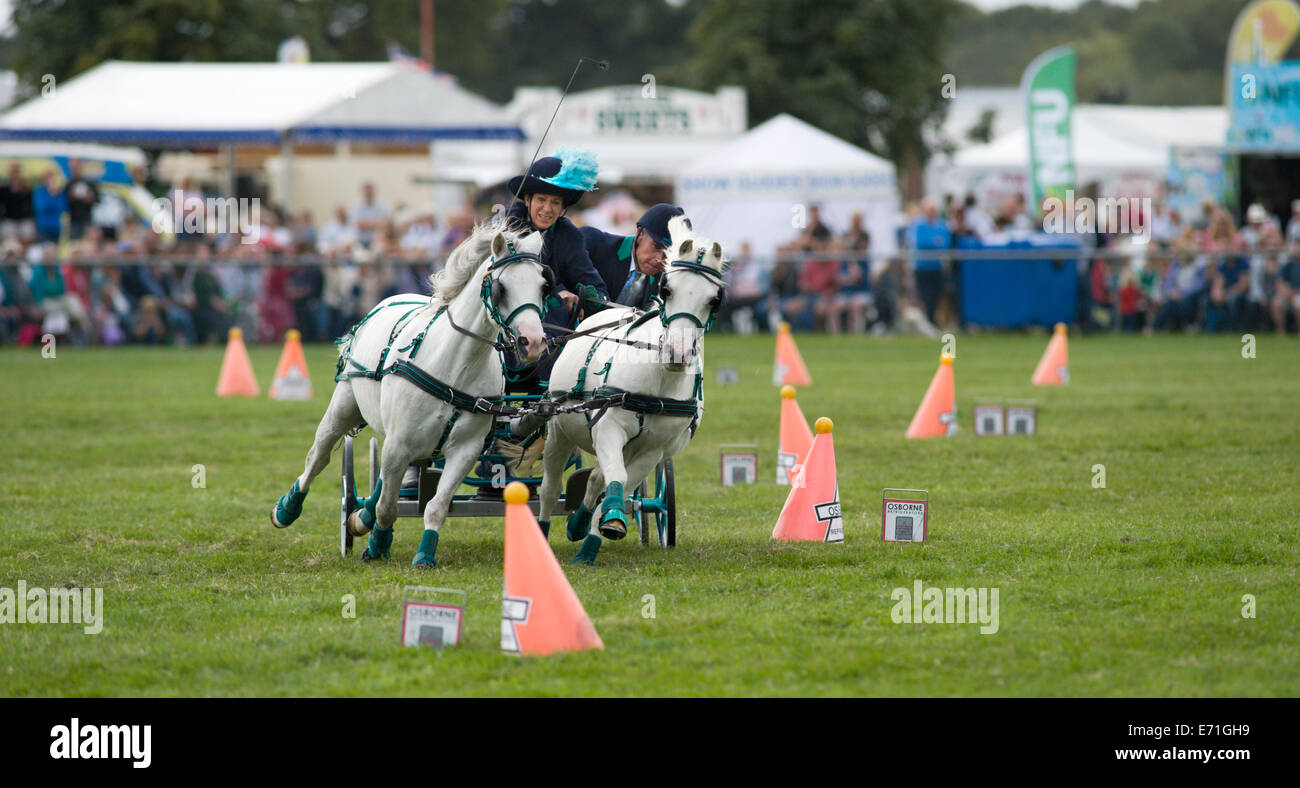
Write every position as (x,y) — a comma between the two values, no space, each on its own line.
(569,174)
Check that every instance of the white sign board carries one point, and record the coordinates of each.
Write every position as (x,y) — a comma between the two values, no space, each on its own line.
(739,464)
(1022,420)
(905,515)
(785,462)
(989,420)
(432,624)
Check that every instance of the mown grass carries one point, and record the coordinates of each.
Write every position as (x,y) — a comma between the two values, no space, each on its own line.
(1134,589)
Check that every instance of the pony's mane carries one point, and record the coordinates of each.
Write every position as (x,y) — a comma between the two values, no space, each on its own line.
(463,261)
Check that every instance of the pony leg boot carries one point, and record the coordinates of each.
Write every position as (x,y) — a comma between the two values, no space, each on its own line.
(613,523)
(425,556)
(587,553)
(578,524)
(381,541)
(289,507)
(545,525)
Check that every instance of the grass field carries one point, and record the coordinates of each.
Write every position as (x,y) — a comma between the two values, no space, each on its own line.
(1134,589)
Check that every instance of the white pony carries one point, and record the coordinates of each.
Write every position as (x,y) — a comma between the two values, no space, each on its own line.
(411,370)
(650,371)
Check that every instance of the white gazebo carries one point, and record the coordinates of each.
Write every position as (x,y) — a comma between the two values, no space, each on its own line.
(755,188)
(266,108)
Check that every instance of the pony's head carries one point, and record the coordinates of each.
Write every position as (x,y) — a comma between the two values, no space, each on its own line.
(515,285)
(690,294)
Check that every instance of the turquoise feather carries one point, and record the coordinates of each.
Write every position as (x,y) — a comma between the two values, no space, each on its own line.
(578,170)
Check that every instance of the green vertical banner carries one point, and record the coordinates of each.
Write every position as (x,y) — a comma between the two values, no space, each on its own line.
(1048,89)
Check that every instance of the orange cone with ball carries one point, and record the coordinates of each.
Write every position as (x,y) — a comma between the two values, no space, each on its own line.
(291,378)
(937,416)
(796,438)
(789,364)
(812,510)
(237,378)
(1054,367)
(540,613)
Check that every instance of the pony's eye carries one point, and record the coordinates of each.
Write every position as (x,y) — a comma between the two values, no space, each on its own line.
(664,292)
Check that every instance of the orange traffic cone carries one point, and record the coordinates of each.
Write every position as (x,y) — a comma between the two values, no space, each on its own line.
(1054,368)
(812,510)
(540,613)
(937,415)
(796,438)
(291,378)
(789,364)
(237,378)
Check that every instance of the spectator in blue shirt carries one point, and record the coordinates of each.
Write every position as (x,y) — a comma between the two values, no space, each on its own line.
(1229,293)
(50,202)
(929,232)
(1183,285)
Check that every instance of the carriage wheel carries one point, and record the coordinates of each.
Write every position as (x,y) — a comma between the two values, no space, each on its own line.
(349,497)
(642,517)
(666,491)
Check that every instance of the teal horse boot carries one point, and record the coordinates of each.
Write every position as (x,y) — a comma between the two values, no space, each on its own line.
(289,507)
(587,553)
(426,555)
(381,541)
(545,525)
(613,523)
(365,513)
(578,524)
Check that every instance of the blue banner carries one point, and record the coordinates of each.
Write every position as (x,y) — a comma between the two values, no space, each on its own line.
(1265,109)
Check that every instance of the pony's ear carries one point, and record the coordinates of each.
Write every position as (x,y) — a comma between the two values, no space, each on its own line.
(716,251)
(685,248)
(498,244)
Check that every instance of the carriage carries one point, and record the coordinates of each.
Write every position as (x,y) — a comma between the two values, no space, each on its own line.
(654,503)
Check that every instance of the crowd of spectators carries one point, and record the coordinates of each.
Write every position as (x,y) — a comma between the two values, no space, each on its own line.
(76,264)
(119,282)
(1206,274)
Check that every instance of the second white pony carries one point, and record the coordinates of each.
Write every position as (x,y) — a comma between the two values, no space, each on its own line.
(646,377)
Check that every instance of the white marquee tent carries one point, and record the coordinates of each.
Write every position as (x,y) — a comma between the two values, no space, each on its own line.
(205,104)
(750,189)
(1110,142)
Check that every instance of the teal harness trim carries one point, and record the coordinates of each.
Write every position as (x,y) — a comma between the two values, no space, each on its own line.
(452,396)
(640,404)
(374,374)
(699,267)
(446,430)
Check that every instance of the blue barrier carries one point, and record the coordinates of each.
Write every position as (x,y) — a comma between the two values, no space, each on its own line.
(1019,293)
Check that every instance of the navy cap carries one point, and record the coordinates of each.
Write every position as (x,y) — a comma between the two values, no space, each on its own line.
(655,222)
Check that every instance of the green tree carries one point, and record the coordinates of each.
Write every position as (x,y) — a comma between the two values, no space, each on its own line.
(869,71)
(491,46)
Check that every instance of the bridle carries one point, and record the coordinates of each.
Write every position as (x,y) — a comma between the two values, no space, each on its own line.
(491,292)
(714,306)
